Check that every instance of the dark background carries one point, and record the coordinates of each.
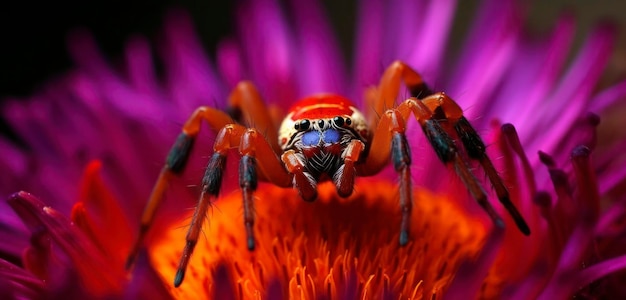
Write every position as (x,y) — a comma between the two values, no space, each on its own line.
(32,34)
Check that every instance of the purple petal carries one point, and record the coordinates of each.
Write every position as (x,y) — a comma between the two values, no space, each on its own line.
(84,256)
(140,69)
(570,97)
(229,62)
(471,274)
(428,48)
(190,76)
(16,283)
(401,24)
(269,51)
(608,97)
(320,65)
(537,66)
(145,283)
(368,45)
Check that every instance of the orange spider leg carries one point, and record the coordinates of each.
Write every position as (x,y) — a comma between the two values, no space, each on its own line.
(255,151)
(446,121)
(245,100)
(389,140)
(389,87)
(437,114)
(174,165)
(476,149)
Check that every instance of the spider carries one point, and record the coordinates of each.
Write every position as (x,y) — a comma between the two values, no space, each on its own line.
(324,137)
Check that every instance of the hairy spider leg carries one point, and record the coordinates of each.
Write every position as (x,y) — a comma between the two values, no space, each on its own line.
(390,138)
(390,141)
(245,100)
(447,121)
(475,148)
(256,152)
(247,104)
(389,88)
(174,165)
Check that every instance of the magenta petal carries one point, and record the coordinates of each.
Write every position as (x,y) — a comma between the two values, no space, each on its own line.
(486,55)
(320,67)
(471,274)
(96,274)
(368,46)
(16,283)
(575,87)
(110,88)
(531,286)
(569,283)
(597,271)
(428,48)
(538,64)
(609,96)
(190,76)
(145,283)
(402,22)
(140,69)
(229,62)
(269,50)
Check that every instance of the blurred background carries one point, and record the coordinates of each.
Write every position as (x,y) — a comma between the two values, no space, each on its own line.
(33,34)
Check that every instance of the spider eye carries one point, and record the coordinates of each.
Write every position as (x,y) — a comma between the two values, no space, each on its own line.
(348,121)
(338,121)
(320,123)
(302,125)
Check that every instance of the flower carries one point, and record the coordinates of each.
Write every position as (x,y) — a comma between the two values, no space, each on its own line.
(571,194)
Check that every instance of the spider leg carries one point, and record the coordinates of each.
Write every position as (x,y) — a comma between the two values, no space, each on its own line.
(475,148)
(389,140)
(435,113)
(389,87)
(442,107)
(257,157)
(245,101)
(174,165)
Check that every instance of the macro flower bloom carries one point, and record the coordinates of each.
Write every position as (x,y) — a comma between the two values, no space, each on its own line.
(93,140)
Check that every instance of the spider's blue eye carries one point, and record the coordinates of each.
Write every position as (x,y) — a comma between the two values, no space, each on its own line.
(311,138)
(331,136)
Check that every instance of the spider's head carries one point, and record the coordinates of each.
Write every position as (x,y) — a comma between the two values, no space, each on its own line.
(321,120)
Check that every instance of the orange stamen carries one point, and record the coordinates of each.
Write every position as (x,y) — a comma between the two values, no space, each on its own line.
(332,247)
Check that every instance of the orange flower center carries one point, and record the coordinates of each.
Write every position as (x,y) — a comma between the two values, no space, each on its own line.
(332,247)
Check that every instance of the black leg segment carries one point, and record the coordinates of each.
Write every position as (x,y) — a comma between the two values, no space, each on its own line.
(179,153)
(248,184)
(401,157)
(212,180)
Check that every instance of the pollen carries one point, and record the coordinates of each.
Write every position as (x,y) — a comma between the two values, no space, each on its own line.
(333,248)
